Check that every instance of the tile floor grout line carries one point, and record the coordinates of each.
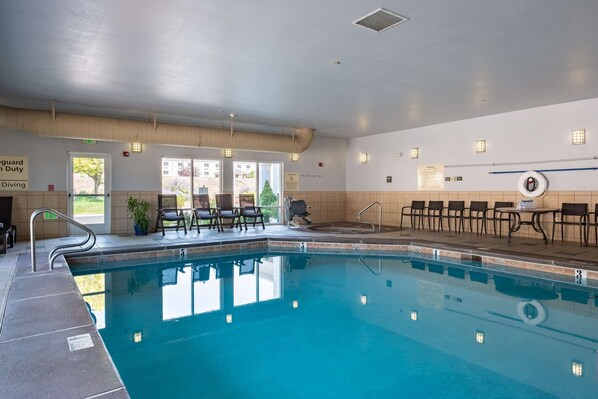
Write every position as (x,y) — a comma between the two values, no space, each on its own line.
(99,395)
(46,333)
(42,296)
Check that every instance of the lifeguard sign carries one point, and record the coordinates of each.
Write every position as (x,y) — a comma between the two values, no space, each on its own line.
(14,173)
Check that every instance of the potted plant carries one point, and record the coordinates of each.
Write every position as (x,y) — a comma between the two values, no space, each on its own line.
(139,212)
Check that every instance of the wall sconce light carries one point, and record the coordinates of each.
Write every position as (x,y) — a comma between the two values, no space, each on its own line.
(137,337)
(136,147)
(480,337)
(229,318)
(228,153)
(294,157)
(480,146)
(295,304)
(578,136)
(414,315)
(363,157)
(577,368)
(364,299)
(414,153)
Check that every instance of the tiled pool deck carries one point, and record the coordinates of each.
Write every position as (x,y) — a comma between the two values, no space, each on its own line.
(39,311)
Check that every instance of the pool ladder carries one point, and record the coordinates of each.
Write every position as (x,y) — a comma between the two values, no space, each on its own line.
(379,215)
(82,246)
(377,273)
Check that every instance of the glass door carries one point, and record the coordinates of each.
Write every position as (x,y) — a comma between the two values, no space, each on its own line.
(89,191)
(264,181)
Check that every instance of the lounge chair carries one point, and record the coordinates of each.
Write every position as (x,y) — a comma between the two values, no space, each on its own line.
(201,272)
(592,221)
(477,211)
(168,211)
(433,212)
(499,217)
(226,211)
(571,214)
(454,211)
(250,211)
(8,231)
(415,211)
(203,211)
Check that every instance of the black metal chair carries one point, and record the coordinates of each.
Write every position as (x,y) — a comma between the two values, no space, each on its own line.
(477,211)
(416,212)
(434,211)
(592,221)
(454,211)
(203,211)
(168,211)
(8,231)
(571,214)
(250,211)
(227,211)
(496,216)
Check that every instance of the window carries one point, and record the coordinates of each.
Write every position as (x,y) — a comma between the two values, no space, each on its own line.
(187,179)
(263,180)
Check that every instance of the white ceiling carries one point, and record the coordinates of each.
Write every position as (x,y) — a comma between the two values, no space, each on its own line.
(273,62)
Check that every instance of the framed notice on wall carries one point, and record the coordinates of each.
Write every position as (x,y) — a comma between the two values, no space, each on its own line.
(14,173)
(291,181)
(430,177)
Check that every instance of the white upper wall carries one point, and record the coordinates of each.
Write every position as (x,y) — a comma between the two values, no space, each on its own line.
(142,172)
(537,134)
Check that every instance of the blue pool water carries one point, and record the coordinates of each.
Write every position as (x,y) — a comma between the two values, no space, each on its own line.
(298,326)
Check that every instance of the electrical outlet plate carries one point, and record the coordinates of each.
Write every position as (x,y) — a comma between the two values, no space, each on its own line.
(302,247)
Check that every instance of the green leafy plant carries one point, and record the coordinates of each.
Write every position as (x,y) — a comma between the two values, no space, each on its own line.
(268,198)
(139,213)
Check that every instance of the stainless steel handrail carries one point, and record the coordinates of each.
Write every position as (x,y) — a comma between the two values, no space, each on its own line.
(379,272)
(83,246)
(379,215)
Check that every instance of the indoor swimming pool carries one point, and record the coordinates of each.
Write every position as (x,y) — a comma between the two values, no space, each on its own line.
(290,325)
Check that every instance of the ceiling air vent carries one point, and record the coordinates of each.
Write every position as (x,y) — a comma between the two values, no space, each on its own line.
(380,20)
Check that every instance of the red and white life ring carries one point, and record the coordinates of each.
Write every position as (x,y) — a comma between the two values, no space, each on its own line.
(532,184)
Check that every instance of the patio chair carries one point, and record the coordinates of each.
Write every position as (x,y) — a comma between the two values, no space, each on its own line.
(201,271)
(8,231)
(477,211)
(454,211)
(168,211)
(416,212)
(203,211)
(226,211)
(250,211)
(592,221)
(497,216)
(571,214)
(433,212)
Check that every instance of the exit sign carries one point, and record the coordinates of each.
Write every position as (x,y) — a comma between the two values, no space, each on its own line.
(50,216)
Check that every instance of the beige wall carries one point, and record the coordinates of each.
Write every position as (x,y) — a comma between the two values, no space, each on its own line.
(24,203)
(326,206)
(393,201)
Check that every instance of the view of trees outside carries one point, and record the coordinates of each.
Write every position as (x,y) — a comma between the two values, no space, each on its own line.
(94,284)
(263,181)
(185,177)
(88,189)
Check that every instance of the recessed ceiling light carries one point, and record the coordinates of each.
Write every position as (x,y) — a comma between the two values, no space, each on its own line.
(380,20)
